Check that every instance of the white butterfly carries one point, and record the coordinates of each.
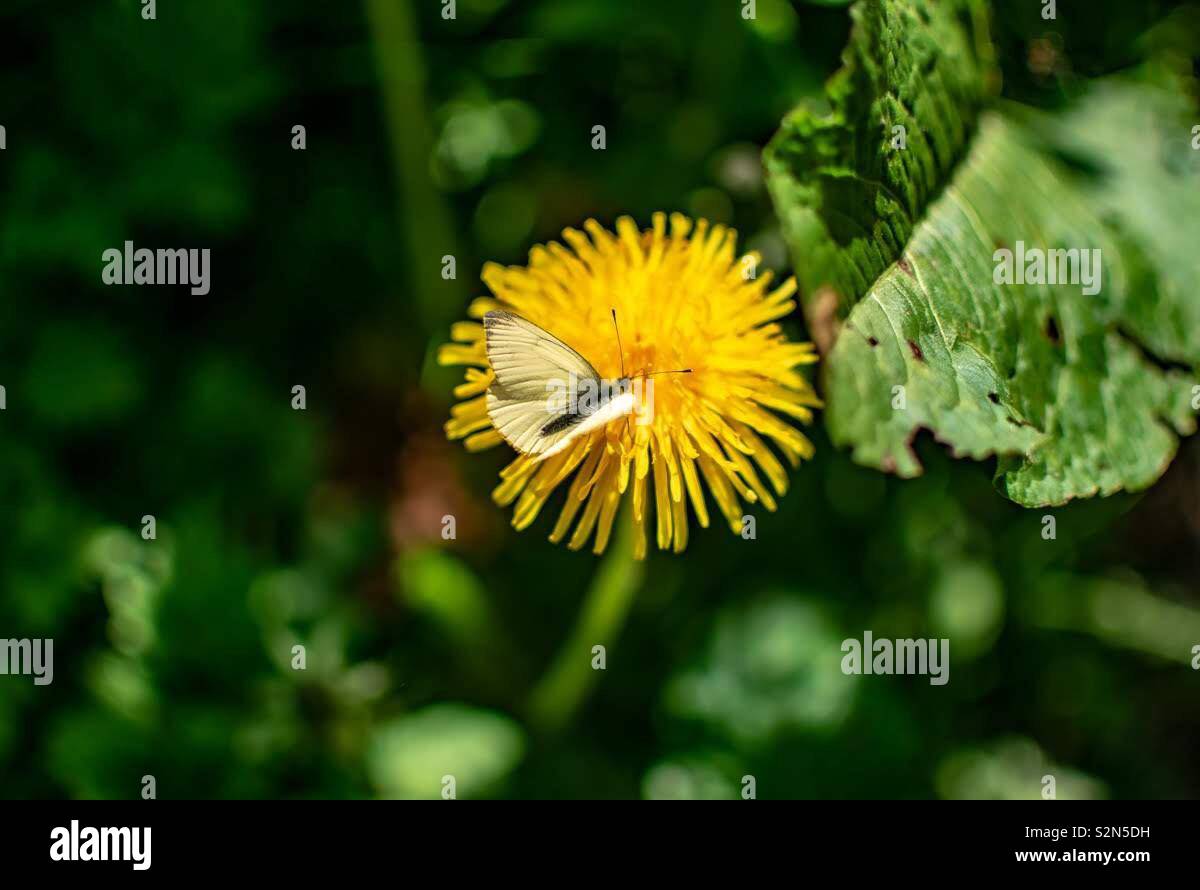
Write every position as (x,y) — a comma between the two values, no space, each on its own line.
(546,394)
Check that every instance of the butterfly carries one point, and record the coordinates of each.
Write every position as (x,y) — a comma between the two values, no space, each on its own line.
(546,395)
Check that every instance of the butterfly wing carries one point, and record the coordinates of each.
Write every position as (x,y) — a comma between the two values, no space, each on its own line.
(528,401)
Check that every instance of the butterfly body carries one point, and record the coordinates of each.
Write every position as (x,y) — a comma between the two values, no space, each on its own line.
(581,423)
(609,405)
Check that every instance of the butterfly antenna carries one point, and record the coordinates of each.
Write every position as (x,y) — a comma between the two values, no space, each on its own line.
(656,373)
(620,348)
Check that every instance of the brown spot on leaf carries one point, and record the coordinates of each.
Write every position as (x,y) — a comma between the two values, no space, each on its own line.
(995,399)
(916,351)
(904,266)
(822,318)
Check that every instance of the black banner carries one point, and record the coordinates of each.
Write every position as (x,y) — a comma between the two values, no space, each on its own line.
(291,839)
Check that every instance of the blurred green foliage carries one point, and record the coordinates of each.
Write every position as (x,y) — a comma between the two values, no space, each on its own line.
(322,528)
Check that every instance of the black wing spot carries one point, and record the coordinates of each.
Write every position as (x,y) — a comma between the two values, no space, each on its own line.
(560,423)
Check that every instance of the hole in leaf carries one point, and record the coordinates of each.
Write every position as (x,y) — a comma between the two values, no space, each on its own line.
(1052,332)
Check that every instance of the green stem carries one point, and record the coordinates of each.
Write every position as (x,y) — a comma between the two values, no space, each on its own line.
(564,686)
(424,218)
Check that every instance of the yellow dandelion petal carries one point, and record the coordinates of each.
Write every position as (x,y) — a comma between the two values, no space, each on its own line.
(483,441)
(573,458)
(514,482)
(685,298)
(746,471)
(695,492)
(595,500)
(680,524)
(639,500)
(662,502)
(575,496)
(639,519)
(456,354)
(476,384)
(722,491)
(608,512)
(766,460)
(468,417)
(538,489)
(481,306)
(466,331)
(663,439)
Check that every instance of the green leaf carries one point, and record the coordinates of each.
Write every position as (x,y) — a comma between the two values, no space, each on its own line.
(1077,393)
(414,756)
(1012,768)
(847,201)
(767,671)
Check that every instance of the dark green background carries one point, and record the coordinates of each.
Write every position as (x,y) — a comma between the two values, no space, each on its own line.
(472,137)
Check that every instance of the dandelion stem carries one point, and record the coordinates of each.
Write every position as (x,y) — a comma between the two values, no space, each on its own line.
(564,686)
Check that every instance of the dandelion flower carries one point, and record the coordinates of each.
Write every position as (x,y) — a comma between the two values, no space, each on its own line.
(684,300)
